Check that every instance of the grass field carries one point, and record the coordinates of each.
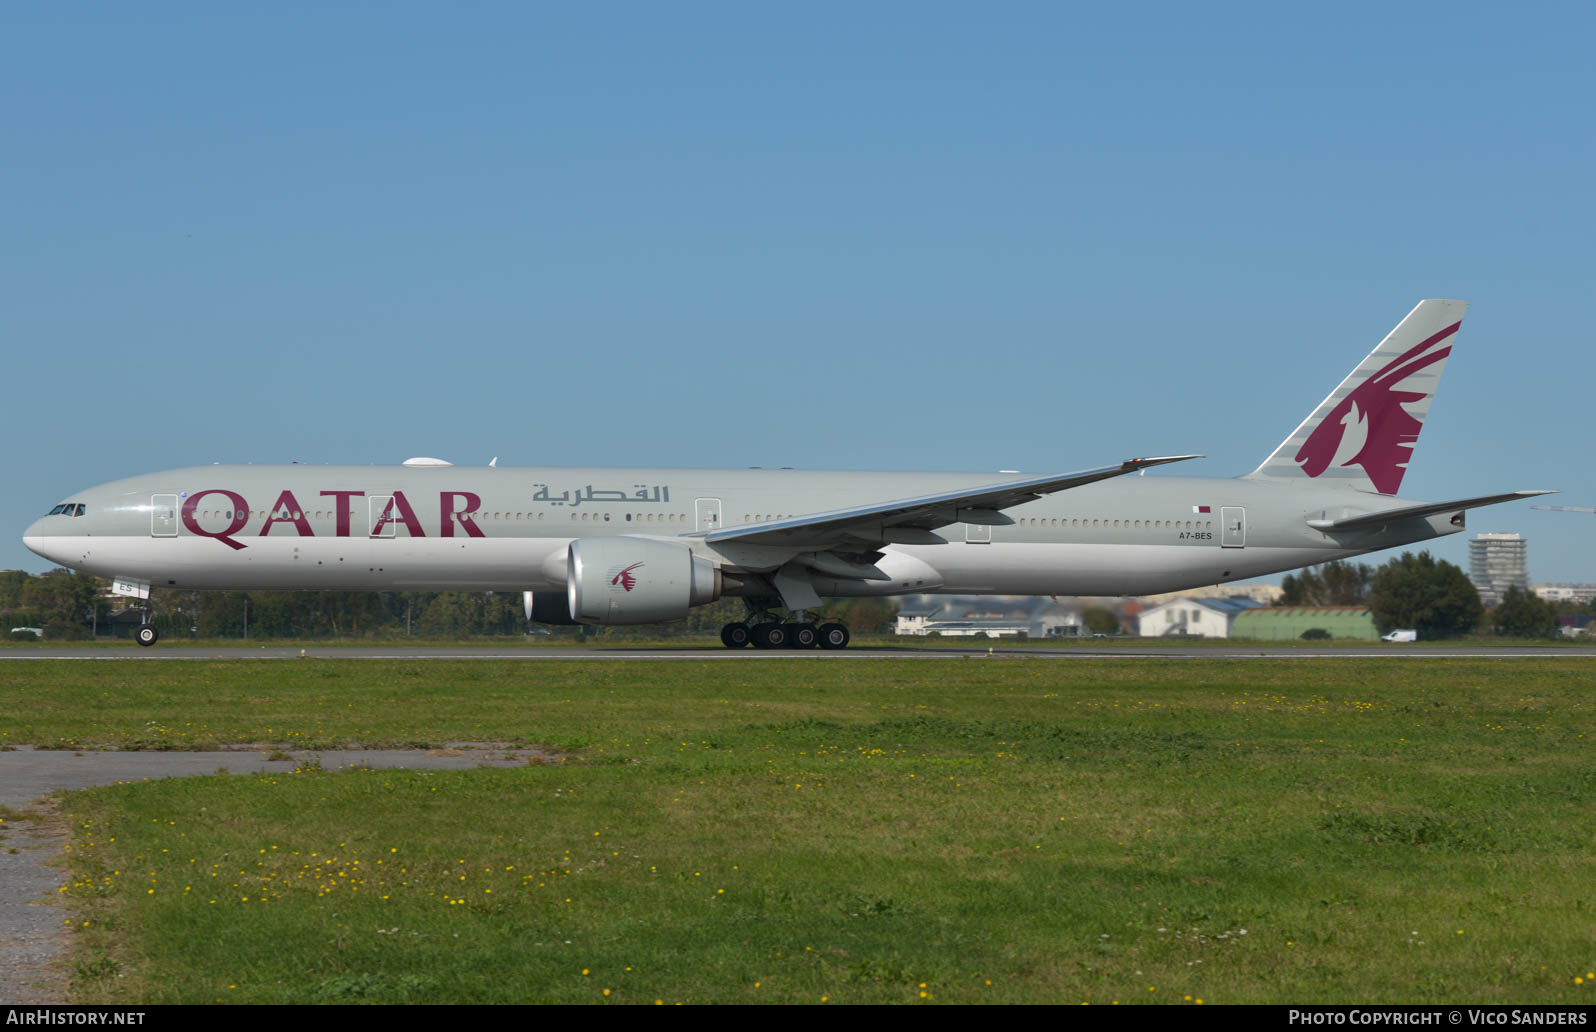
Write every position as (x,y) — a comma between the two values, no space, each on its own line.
(959,830)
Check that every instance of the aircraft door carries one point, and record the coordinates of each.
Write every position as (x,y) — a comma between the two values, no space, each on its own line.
(1233,526)
(163,515)
(706,514)
(382,521)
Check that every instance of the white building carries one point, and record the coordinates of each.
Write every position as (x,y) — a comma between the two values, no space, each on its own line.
(1498,562)
(1192,617)
(1580,594)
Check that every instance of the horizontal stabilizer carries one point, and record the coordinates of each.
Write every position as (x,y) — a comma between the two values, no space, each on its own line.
(1365,520)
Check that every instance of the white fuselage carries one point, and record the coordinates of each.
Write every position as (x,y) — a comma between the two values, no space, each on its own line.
(491,528)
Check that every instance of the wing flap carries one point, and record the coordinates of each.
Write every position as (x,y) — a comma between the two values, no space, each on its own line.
(1364,520)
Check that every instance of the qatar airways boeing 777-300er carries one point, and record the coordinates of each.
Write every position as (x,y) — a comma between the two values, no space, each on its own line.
(633,546)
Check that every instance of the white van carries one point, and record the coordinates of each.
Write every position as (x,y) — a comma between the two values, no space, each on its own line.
(1401,636)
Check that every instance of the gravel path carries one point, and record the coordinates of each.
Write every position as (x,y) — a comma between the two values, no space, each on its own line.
(33,939)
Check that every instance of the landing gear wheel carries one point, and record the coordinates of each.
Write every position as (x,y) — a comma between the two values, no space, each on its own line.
(735,635)
(147,635)
(804,635)
(770,636)
(833,636)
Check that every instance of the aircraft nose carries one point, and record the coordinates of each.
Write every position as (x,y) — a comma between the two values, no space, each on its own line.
(38,540)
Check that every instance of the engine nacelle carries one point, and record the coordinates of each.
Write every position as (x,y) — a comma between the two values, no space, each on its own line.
(549,607)
(634,580)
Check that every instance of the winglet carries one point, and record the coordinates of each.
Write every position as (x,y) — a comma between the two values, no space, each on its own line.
(1132,465)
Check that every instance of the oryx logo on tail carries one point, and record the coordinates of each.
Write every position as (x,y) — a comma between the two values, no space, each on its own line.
(1362,435)
(1370,427)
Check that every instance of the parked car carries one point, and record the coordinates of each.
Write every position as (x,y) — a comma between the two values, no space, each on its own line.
(1400,636)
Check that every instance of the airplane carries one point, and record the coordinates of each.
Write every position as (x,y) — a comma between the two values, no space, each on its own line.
(636,546)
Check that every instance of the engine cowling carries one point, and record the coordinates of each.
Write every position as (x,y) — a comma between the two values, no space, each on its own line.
(549,607)
(634,580)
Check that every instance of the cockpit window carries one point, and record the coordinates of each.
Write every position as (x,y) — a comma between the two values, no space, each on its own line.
(81,509)
(56,511)
(68,509)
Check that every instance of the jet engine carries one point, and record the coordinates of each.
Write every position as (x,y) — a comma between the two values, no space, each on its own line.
(548,607)
(635,580)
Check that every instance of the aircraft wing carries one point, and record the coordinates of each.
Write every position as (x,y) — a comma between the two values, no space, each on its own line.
(911,520)
(1365,520)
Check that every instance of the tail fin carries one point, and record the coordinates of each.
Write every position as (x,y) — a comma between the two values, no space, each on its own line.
(1363,434)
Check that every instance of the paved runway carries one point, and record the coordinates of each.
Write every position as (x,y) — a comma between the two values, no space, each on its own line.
(1262,650)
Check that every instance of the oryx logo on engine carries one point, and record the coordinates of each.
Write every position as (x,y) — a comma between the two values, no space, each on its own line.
(624,579)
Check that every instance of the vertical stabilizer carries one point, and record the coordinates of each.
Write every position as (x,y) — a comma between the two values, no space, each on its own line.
(1363,434)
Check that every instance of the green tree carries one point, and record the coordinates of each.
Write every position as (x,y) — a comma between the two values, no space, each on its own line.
(1300,589)
(452,614)
(65,604)
(864,615)
(1523,614)
(1430,596)
(1099,620)
(1333,584)
(12,583)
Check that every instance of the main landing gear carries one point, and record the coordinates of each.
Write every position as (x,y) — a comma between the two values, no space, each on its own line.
(798,633)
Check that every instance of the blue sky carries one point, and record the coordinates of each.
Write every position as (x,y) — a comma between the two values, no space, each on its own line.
(886,236)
